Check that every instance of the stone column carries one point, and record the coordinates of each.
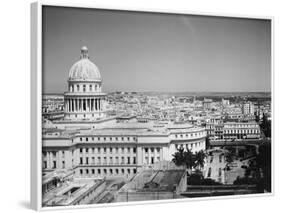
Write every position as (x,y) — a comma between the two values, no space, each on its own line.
(67,105)
(149,155)
(48,160)
(74,105)
(161,153)
(90,105)
(79,105)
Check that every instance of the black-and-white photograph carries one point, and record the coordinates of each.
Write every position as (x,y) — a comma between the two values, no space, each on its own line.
(147,106)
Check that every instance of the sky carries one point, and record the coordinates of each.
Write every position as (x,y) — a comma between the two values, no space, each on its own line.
(137,51)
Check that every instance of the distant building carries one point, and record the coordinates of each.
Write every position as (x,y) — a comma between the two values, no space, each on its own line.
(207,104)
(248,108)
(225,102)
(53,106)
(233,131)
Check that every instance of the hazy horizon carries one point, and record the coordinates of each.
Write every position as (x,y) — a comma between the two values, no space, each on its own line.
(156,52)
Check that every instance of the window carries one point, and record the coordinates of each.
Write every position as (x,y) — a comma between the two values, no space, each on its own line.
(134,160)
(93,160)
(87,161)
(81,139)
(63,164)
(146,150)
(86,139)
(93,171)
(90,87)
(134,150)
(84,88)
(81,161)
(81,171)
(78,88)
(104,150)
(54,164)
(87,171)
(45,164)
(128,160)
(116,171)
(99,150)
(99,171)
(86,150)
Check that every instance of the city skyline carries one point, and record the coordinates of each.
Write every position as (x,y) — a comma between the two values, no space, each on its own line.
(156,52)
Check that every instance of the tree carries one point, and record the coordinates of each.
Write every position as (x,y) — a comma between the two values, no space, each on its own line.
(229,157)
(188,159)
(266,126)
(200,159)
(264,163)
(178,157)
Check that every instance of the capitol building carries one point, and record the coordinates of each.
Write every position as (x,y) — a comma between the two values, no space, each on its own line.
(89,143)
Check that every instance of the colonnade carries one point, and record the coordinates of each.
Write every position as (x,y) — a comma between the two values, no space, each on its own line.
(83,104)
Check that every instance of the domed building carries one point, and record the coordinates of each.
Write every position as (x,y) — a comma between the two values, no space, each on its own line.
(84,99)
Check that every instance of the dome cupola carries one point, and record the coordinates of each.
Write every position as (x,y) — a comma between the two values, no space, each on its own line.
(84,69)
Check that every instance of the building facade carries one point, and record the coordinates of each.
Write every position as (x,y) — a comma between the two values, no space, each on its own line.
(233,131)
(248,108)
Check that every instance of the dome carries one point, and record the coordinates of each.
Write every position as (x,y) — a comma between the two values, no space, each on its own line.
(84,69)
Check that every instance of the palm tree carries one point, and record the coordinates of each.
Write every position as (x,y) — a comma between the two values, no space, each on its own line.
(200,159)
(189,159)
(184,158)
(178,157)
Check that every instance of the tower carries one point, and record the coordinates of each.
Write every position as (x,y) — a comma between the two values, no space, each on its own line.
(84,98)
